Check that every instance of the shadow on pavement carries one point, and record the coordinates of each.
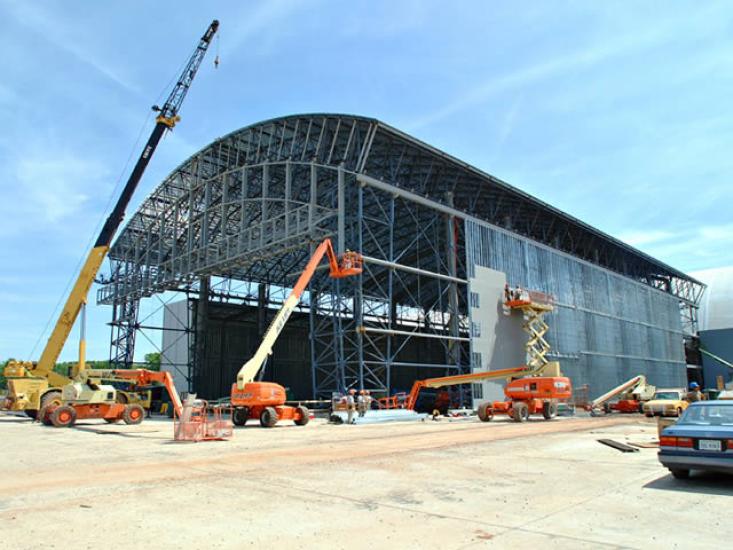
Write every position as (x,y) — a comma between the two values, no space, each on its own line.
(15,419)
(707,483)
(138,435)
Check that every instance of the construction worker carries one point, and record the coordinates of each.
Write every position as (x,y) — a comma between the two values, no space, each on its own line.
(350,406)
(361,403)
(367,400)
(694,394)
(507,293)
(517,292)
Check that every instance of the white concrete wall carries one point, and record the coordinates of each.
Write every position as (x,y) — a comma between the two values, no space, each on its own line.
(501,343)
(174,357)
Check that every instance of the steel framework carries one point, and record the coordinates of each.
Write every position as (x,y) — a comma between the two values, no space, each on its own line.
(250,206)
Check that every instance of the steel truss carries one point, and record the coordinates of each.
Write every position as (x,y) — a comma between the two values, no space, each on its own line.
(248,208)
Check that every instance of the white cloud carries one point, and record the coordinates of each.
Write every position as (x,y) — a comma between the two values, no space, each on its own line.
(49,188)
(56,186)
(64,36)
(688,248)
(260,21)
(605,48)
(723,233)
(640,238)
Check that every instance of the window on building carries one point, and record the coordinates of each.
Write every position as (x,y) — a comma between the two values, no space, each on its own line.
(474,299)
(475,329)
(476,360)
(478,391)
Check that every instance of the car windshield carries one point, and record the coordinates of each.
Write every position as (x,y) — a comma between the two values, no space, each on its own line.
(666,395)
(708,415)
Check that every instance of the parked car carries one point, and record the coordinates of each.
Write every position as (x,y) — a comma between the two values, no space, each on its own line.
(666,402)
(702,439)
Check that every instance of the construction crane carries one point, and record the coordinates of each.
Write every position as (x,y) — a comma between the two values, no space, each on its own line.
(266,400)
(632,393)
(33,385)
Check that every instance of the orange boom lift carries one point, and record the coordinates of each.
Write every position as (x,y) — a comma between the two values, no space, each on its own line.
(528,392)
(533,393)
(88,398)
(266,400)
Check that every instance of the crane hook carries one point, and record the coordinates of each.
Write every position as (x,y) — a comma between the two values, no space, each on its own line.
(216,59)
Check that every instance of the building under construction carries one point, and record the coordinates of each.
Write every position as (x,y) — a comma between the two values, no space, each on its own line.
(231,228)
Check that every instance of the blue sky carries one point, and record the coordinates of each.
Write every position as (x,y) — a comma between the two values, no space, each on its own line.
(616,112)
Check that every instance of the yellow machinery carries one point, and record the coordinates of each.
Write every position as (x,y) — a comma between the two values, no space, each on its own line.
(32,385)
(533,305)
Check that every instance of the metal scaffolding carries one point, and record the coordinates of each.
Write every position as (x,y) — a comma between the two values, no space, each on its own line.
(249,207)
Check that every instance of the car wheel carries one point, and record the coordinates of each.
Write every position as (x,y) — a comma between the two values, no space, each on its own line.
(680,474)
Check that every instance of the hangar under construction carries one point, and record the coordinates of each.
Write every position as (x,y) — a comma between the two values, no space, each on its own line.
(232,227)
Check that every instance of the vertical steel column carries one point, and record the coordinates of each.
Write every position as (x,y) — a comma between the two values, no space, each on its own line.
(454,347)
(336,285)
(341,241)
(358,290)
(313,196)
(288,185)
(202,317)
(242,210)
(262,299)
(265,191)
(312,312)
(176,269)
(392,321)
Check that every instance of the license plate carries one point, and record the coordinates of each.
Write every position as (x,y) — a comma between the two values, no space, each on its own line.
(709,445)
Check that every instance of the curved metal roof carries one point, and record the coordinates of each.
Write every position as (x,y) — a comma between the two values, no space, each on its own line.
(363,145)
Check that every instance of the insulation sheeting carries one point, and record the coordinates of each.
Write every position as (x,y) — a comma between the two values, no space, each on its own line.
(605,328)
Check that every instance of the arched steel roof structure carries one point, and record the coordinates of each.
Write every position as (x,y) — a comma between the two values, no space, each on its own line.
(246,206)
(368,146)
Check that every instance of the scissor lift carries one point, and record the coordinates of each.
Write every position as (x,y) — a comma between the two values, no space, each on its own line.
(533,305)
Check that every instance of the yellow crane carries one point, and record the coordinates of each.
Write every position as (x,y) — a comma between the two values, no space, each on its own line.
(33,385)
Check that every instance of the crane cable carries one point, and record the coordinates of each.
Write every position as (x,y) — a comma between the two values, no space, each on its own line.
(75,272)
(216,58)
(103,213)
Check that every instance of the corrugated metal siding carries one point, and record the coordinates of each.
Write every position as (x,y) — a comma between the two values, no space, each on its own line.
(606,328)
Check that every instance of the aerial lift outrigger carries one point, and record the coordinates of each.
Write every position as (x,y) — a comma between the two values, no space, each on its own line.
(34,385)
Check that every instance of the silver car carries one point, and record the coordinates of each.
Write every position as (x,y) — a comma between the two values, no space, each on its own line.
(702,439)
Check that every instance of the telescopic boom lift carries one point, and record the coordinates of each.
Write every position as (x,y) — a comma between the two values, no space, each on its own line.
(266,400)
(32,385)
